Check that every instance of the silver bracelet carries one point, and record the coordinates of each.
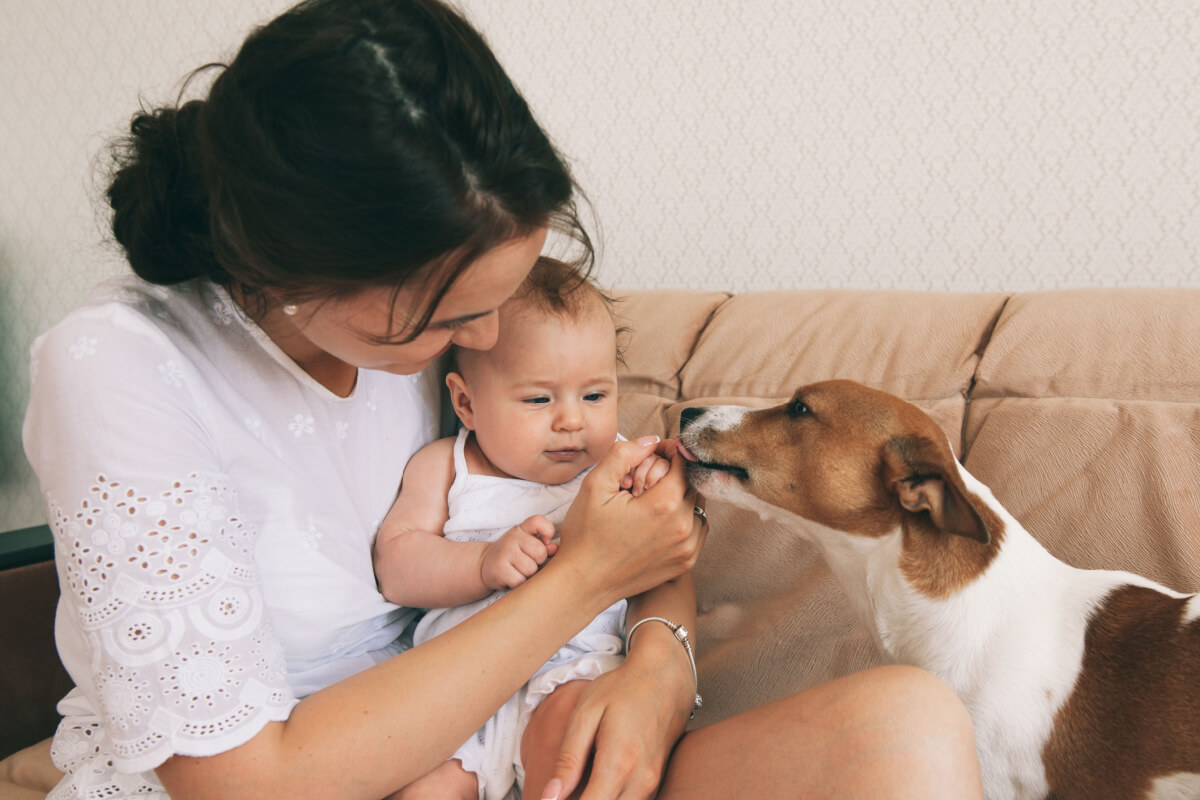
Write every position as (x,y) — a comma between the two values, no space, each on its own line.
(681,633)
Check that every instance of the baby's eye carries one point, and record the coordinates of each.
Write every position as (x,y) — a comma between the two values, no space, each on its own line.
(537,400)
(594,397)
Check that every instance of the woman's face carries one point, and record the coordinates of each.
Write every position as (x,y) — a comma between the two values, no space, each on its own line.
(356,330)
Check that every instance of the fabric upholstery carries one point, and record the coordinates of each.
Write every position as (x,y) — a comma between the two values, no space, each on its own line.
(32,680)
(1081,409)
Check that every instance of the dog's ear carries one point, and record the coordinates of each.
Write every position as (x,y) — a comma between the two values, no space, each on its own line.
(924,478)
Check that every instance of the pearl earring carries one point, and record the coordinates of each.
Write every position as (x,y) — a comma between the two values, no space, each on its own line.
(290,309)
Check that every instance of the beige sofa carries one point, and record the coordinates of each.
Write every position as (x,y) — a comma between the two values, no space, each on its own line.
(1081,409)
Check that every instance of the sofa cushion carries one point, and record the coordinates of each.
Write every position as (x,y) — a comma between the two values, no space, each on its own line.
(1103,484)
(1085,423)
(1119,344)
(32,680)
(916,344)
(1081,409)
(662,329)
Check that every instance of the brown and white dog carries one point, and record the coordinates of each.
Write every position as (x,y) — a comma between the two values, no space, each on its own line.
(1080,683)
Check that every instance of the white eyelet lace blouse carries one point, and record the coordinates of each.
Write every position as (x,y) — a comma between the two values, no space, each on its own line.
(213,509)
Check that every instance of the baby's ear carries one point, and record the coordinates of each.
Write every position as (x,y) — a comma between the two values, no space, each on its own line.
(460,399)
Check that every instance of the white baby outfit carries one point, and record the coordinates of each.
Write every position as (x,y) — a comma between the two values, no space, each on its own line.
(213,509)
(482,509)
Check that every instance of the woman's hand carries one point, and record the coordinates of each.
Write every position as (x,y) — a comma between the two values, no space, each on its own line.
(623,545)
(625,724)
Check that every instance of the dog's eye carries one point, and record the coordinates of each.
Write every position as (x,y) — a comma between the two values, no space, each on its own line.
(798,408)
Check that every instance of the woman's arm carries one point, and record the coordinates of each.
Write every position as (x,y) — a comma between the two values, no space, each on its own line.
(657,645)
(627,721)
(382,728)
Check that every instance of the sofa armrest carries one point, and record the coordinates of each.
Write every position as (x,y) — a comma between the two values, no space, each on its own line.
(26,546)
(32,679)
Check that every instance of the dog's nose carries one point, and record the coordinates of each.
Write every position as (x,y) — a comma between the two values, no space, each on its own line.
(688,415)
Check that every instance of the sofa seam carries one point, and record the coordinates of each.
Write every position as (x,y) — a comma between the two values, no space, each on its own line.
(969,392)
(677,376)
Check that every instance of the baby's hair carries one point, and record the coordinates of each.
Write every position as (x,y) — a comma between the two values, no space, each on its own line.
(563,290)
(559,288)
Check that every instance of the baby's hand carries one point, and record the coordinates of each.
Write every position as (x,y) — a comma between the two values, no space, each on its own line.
(646,474)
(515,556)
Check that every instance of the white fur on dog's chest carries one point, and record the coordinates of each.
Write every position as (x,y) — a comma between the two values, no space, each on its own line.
(1011,644)
(1012,663)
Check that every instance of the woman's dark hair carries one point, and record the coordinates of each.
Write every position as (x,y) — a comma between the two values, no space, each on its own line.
(350,144)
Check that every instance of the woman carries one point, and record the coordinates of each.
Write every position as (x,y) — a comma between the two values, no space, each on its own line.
(217,442)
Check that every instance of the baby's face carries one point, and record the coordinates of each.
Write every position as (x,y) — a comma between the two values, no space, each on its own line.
(544,399)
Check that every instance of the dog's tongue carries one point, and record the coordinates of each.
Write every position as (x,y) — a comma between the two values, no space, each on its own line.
(683,451)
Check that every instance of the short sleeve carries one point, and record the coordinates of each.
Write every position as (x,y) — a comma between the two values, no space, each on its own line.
(162,621)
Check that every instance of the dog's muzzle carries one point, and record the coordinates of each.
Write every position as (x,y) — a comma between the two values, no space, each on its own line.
(694,425)
(688,416)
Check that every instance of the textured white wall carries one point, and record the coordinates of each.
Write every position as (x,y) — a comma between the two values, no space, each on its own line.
(953,144)
(72,73)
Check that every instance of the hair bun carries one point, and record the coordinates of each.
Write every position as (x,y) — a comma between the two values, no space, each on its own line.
(158,197)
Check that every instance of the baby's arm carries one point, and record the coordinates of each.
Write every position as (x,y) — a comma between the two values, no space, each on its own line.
(414,565)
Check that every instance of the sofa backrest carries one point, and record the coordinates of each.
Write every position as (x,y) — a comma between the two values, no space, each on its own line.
(1079,408)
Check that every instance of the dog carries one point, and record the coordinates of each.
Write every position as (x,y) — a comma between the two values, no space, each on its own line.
(1080,683)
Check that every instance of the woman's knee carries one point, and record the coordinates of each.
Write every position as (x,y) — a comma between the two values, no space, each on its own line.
(909,731)
(921,698)
(887,732)
(31,768)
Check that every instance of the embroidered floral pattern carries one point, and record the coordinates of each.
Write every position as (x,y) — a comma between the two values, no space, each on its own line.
(221,314)
(300,425)
(172,373)
(166,584)
(256,428)
(84,346)
(125,698)
(202,675)
(312,536)
(163,609)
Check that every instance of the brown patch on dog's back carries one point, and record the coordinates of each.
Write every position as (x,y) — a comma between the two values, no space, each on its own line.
(1134,714)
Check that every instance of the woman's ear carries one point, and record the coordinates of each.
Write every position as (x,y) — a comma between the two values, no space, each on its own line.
(460,399)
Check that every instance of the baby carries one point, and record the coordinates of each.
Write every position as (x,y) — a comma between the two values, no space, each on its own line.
(476,513)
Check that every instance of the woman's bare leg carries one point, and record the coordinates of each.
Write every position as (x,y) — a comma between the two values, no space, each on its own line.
(891,732)
(31,769)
